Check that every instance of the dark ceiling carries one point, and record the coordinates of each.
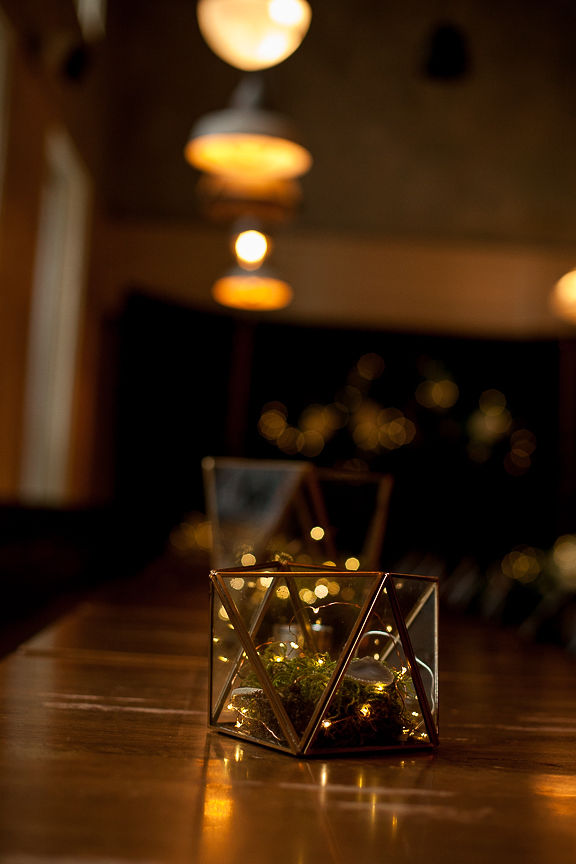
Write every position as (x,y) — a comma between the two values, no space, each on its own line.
(474,141)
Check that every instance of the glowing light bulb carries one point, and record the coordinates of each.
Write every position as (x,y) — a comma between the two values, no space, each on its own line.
(253,34)
(290,13)
(251,248)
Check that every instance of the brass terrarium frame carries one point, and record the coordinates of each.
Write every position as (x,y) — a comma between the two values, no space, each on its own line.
(246,650)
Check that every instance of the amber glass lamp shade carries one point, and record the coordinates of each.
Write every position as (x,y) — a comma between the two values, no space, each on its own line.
(563,300)
(247,143)
(256,290)
(253,34)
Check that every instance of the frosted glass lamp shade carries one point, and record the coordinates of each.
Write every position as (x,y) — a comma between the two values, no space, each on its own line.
(253,34)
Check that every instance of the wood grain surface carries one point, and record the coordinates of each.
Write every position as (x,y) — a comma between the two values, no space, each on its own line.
(106,756)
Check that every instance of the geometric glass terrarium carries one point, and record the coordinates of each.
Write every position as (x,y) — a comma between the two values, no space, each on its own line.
(317,661)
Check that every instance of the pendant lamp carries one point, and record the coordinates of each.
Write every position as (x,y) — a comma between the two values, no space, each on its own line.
(247,141)
(253,34)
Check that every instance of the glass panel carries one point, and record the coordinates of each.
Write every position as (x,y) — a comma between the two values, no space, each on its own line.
(247,501)
(247,710)
(375,704)
(248,591)
(226,650)
(417,598)
(303,632)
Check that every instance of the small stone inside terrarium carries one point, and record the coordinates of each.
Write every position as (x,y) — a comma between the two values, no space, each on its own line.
(370,669)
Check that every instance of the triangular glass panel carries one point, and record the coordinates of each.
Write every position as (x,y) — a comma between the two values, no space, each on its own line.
(375,704)
(261,508)
(247,710)
(417,599)
(303,632)
(226,652)
(248,592)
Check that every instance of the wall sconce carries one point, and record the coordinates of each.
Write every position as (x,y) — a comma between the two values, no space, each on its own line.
(253,34)
(563,299)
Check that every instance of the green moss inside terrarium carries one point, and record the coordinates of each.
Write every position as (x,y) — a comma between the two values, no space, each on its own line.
(374,704)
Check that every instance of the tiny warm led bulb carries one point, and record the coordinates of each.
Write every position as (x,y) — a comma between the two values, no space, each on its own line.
(251,248)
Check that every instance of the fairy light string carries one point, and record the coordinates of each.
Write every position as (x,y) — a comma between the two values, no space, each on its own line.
(361,713)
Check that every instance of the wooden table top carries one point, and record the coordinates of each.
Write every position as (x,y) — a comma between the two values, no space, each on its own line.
(106,756)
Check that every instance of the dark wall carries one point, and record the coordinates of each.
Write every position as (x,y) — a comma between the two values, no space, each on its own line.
(181,373)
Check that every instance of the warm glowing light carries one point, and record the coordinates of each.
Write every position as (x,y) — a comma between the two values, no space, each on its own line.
(247,154)
(272,424)
(251,247)
(253,34)
(492,402)
(283,592)
(437,395)
(252,291)
(307,596)
(392,429)
(291,441)
(564,557)
(223,614)
(490,423)
(317,533)
(265,581)
(217,810)
(321,591)
(237,583)
(352,564)
(365,710)
(326,723)
(370,366)
(248,559)
(313,443)
(558,792)
(563,299)
(524,440)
